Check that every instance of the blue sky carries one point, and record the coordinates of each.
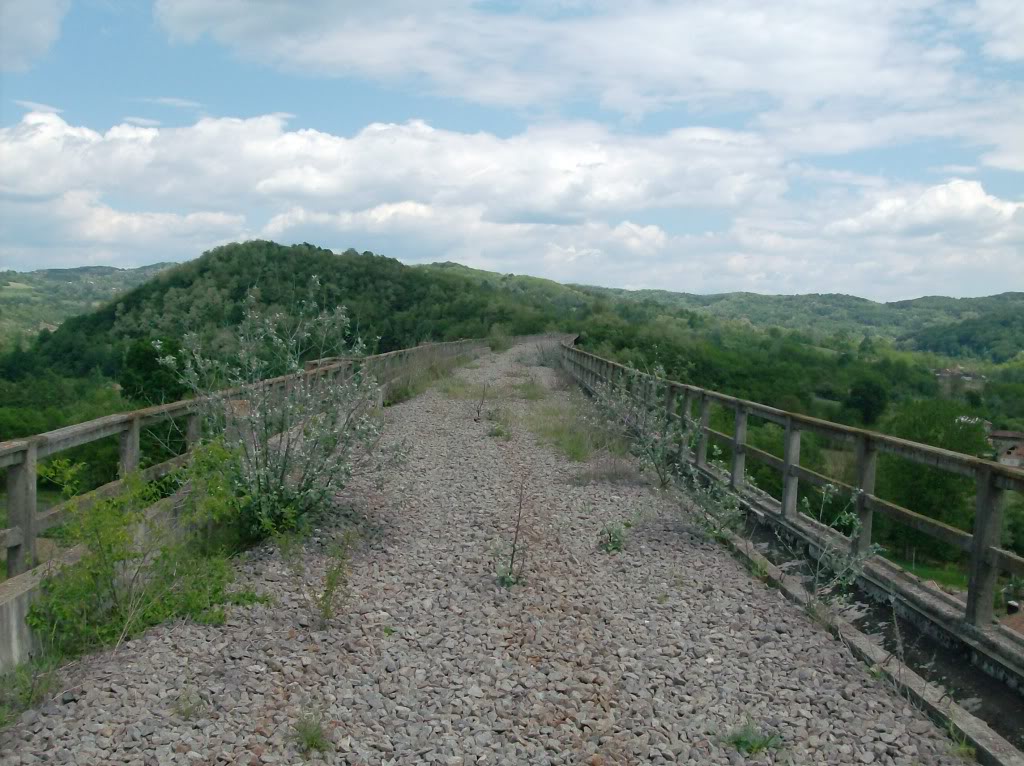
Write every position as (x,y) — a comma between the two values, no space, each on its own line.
(875,149)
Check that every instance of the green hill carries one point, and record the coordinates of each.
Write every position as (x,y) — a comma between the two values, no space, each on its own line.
(997,336)
(391,305)
(31,301)
(828,314)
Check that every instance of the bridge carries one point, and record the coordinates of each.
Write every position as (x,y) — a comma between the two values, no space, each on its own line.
(668,651)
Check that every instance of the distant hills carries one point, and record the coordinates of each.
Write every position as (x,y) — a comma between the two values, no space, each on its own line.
(990,328)
(34,300)
(831,313)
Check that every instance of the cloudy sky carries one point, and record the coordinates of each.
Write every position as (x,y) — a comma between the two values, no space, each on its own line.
(873,148)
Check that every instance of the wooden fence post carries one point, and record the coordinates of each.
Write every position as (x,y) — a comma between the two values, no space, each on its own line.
(988,513)
(867,462)
(702,434)
(791,459)
(739,448)
(128,448)
(21,512)
(193,430)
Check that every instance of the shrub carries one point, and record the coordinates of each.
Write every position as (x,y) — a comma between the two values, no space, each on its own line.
(139,568)
(296,441)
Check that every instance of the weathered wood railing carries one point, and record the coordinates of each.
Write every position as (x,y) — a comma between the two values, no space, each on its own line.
(20,457)
(680,400)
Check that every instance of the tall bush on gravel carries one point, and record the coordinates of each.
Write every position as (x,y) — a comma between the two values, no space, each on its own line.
(295,441)
(638,410)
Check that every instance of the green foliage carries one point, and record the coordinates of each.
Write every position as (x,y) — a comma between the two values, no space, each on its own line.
(574,432)
(126,581)
(322,595)
(750,740)
(868,397)
(530,389)
(25,686)
(309,734)
(37,301)
(938,494)
(995,336)
(612,538)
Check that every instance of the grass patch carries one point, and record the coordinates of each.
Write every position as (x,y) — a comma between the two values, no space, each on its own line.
(309,734)
(567,430)
(531,389)
(749,739)
(951,575)
(457,388)
(414,383)
(501,423)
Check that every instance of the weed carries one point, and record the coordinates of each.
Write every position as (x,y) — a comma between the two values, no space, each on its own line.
(612,538)
(759,569)
(388,631)
(749,739)
(961,747)
(499,431)
(322,597)
(662,599)
(530,389)
(480,404)
(188,704)
(25,686)
(572,433)
(510,571)
(309,734)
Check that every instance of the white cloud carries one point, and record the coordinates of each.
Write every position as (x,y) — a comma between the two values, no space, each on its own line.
(1001,23)
(27,30)
(143,122)
(695,209)
(952,208)
(35,106)
(177,103)
(630,56)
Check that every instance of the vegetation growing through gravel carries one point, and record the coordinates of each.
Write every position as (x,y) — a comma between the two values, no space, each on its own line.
(322,595)
(573,432)
(25,686)
(612,538)
(511,566)
(309,733)
(751,740)
(266,466)
(422,376)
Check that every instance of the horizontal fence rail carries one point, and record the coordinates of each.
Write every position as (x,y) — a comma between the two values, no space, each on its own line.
(20,457)
(694,404)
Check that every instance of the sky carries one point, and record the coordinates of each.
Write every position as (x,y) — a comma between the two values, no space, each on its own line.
(873,148)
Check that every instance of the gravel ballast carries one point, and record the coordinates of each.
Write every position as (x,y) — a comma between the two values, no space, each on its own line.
(654,654)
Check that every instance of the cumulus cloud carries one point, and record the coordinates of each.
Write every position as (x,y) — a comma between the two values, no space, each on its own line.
(697,209)
(27,30)
(954,208)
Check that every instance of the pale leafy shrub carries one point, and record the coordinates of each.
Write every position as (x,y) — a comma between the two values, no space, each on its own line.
(298,439)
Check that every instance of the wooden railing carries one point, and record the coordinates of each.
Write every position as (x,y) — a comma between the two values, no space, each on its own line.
(20,457)
(693,403)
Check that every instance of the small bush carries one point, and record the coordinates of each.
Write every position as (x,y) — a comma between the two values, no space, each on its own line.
(612,538)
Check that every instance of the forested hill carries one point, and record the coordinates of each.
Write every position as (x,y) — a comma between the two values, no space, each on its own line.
(33,300)
(997,337)
(828,314)
(391,305)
